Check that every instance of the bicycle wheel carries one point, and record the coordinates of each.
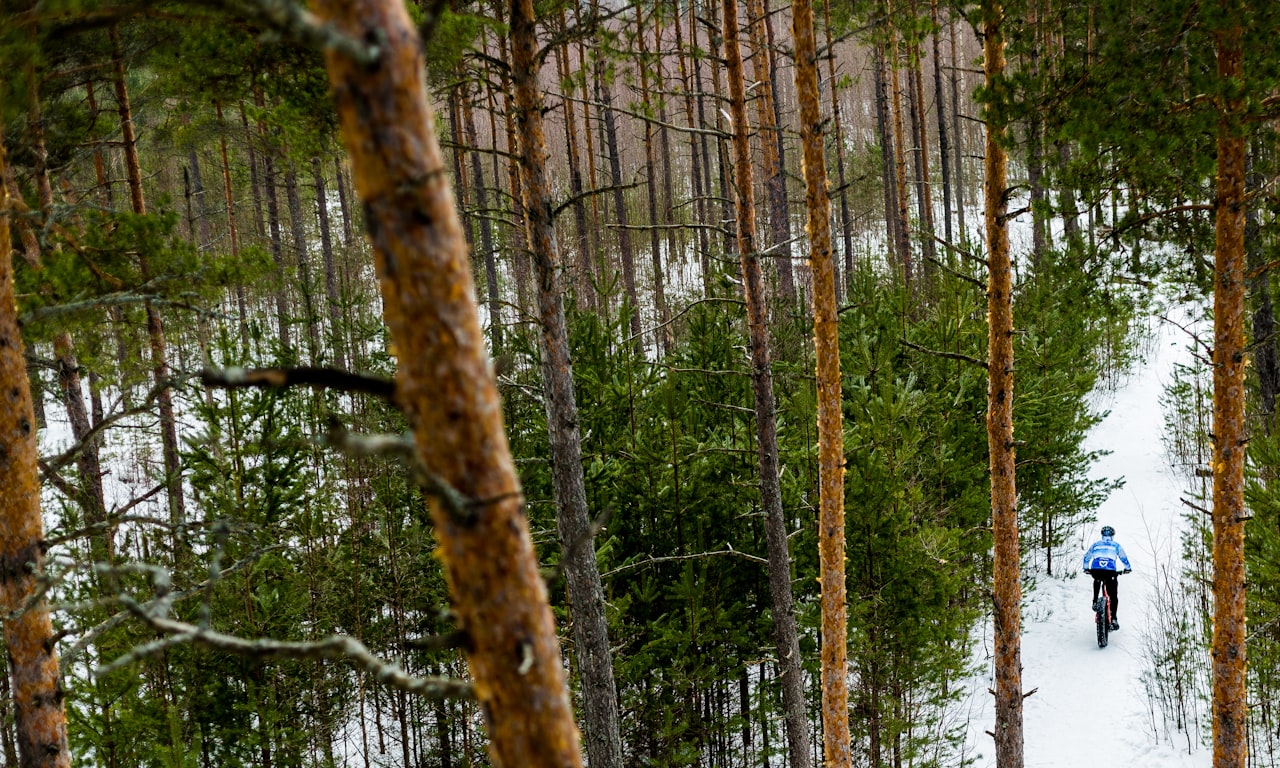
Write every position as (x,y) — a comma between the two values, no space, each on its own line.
(1102,618)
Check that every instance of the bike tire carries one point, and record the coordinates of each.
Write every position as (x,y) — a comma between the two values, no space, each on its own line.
(1102,619)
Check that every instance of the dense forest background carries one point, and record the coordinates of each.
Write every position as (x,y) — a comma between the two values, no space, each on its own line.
(183,217)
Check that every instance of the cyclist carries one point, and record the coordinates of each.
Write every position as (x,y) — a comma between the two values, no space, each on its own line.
(1103,562)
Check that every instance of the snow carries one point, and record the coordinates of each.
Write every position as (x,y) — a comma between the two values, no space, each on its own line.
(1090,705)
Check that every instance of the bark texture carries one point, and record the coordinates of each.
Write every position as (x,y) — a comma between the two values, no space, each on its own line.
(39,714)
(586,596)
(445,384)
(835,685)
(1230,708)
(1007,588)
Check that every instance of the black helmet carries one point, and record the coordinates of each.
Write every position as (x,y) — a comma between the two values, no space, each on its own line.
(1108,531)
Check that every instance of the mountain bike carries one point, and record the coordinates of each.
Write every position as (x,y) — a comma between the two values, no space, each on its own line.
(1102,613)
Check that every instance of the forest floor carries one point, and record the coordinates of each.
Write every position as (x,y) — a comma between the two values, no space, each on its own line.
(1091,705)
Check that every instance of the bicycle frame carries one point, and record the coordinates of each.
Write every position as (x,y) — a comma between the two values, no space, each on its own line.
(1102,616)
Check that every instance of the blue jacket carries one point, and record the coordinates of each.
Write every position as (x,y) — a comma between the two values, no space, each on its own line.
(1106,555)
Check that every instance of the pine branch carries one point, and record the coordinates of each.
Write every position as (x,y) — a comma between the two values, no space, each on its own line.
(296,23)
(333,648)
(463,509)
(559,209)
(55,465)
(730,552)
(948,355)
(118,618)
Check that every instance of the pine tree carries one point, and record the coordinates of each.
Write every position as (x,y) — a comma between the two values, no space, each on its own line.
(446,385)
(1007,589)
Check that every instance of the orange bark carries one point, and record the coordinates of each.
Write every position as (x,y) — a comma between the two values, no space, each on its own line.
(1007,588)
(28,631)
(826,343)
(446,386)
(1230,711)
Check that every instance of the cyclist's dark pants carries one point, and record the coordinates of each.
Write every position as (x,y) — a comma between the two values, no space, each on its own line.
(1111,580)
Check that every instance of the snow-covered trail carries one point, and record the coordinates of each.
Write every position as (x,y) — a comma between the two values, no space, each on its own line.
(1089,706)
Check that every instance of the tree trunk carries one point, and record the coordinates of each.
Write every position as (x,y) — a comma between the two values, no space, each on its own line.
(88,465)
(309,319)
(766,410)
(924,191)
(1264,321)
(826,344)
(586,270)
(197,192)
(651,189)
(586,596)
(1230,433)
(1007,589)
(232,231)
(626,253)
(155,326)
(846,221)
(778,242)
(39,713)
(957,138)
(276,239)
(1035,149)
(446,386)
(888,157)
(722,145)
(332,299)
(944,144)
(697,150)
(490,254)
(519,250)
(903,230)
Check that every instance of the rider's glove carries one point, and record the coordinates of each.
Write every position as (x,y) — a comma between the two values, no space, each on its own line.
(1128,570)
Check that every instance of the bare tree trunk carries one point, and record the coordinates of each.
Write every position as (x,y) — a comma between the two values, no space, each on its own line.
(1230,431)
(490,254)
(888,156)
(520,249)
(310,319)
(626,252)
(39,712)
(846,221)
(586,268)
(273,228)
(232,231)
(836,748)
(651,188)
(766,410)
(944,143)
(446,386)
(348,231)
(197,192)
(924,191)
(778,242)
(155,327)
(722,130)
(899,159)
(675,243)
(1007,590)
(332,299)
(697,150)
(957,138)
(586,596)
(1264,321)
(1035,148)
